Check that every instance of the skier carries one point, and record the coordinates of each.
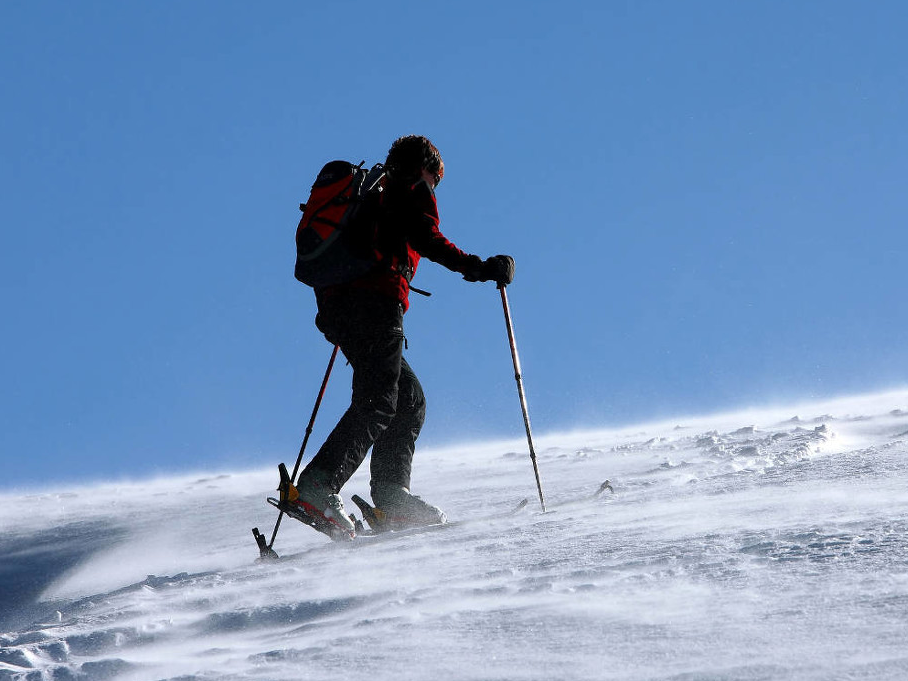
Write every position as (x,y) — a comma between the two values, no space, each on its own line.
(365,319)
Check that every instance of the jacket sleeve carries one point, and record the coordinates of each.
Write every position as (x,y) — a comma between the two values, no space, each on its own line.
(426,238)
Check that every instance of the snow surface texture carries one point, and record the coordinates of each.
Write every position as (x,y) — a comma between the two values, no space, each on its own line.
(754,545)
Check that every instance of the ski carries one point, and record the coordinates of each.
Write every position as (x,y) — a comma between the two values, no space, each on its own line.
(365,534)
(606,486)
(379,525)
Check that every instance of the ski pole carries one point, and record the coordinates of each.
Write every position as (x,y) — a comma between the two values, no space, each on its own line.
(318,402)
(520,392)
(266,550)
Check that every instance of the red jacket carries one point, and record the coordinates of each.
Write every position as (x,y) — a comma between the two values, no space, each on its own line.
(407,229)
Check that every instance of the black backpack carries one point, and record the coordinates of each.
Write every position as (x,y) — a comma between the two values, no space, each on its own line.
(335,236)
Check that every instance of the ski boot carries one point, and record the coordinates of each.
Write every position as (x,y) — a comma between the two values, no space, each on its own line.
(311,501)
(397,509)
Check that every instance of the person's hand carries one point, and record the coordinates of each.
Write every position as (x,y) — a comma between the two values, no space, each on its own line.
(499,268)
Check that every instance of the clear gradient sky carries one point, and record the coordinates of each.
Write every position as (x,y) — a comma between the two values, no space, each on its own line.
(706,201)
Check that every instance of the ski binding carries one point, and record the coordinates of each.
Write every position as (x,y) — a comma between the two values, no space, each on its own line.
(290,504)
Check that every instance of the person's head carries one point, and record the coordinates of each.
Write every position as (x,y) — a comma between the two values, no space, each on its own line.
(412,156)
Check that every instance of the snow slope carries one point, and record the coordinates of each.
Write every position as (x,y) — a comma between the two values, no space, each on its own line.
(768,544)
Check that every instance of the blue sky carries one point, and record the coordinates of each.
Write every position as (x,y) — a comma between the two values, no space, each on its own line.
(706,202)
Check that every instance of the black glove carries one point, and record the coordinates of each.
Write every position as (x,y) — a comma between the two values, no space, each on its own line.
(498,268)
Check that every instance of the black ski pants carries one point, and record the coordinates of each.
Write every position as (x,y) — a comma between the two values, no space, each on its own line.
(388,407)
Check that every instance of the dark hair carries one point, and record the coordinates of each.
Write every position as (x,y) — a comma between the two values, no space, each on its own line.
(410,154)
